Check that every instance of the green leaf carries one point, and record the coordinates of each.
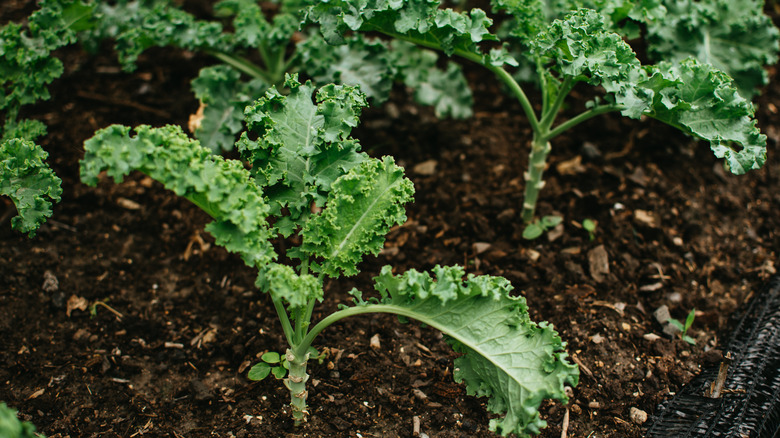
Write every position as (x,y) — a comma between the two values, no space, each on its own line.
(271,357)
(29,182)
(734,36)
(225,95)
(303,146)
(677,324)
(588,225)
(360,61)
(689,319)
(506,357)
(584,48)
(279,372)
(140,25)
(532,231)
(418,21)
(551,221)
(23,129)
(12,427)
(259,372)
(361,207)
(446,90)
(222,188)
(284,284)
(702,101)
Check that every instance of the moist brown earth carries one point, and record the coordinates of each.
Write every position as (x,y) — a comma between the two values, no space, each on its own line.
(177,320)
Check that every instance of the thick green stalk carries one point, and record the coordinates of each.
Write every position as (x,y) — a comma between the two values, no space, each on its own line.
(297,360)
(537,161)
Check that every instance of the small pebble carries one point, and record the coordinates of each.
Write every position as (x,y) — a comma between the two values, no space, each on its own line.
(374,342)
(638,416)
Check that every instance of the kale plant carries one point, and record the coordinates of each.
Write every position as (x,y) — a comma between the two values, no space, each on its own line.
(310,180)
(582,46)
(27,67)
(263,45)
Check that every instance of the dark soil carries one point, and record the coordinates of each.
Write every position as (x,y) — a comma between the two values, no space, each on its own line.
(675,228)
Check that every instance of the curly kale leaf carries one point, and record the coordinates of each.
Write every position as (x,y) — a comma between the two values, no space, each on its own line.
(252,29)
(508,358)
(734,36)
(26,64)
(224,95)
(361,207)
(360,61)
(139,25)
(283,283)
(29,182)
(222,188)
(447,91)
(303,145)
(702,101)
(584,48)
(419,21)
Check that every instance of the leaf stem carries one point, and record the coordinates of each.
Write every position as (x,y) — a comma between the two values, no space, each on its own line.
(589,114)
(242,65)
(502,74)
(281,312)
(550,112)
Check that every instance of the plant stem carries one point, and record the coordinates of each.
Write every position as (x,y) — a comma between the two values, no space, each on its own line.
(242,65)
(537,161)
(550,112)
(297,360)
(281,312)
(502,74)
(589,114)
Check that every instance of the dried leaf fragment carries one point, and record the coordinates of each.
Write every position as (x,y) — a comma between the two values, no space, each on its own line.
(76,303)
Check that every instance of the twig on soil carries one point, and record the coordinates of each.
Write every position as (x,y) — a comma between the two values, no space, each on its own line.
(565,425)
(118,315)
(582,366)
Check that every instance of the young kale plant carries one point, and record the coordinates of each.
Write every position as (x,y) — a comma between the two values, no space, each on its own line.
(309,180)
(27,67)
(688,94)
(263,45)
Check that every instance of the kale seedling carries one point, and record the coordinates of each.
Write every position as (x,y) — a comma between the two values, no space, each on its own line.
(690,95)
(540,226)
(589,225)
(684,327)
(310,180)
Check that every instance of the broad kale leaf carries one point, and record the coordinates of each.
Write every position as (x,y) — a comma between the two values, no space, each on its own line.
(361,207)
(506,356)
(222,188)
(701,100)
(303,146)
(29,182)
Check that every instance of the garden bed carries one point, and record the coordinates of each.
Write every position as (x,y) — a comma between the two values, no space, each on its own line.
(167,354)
